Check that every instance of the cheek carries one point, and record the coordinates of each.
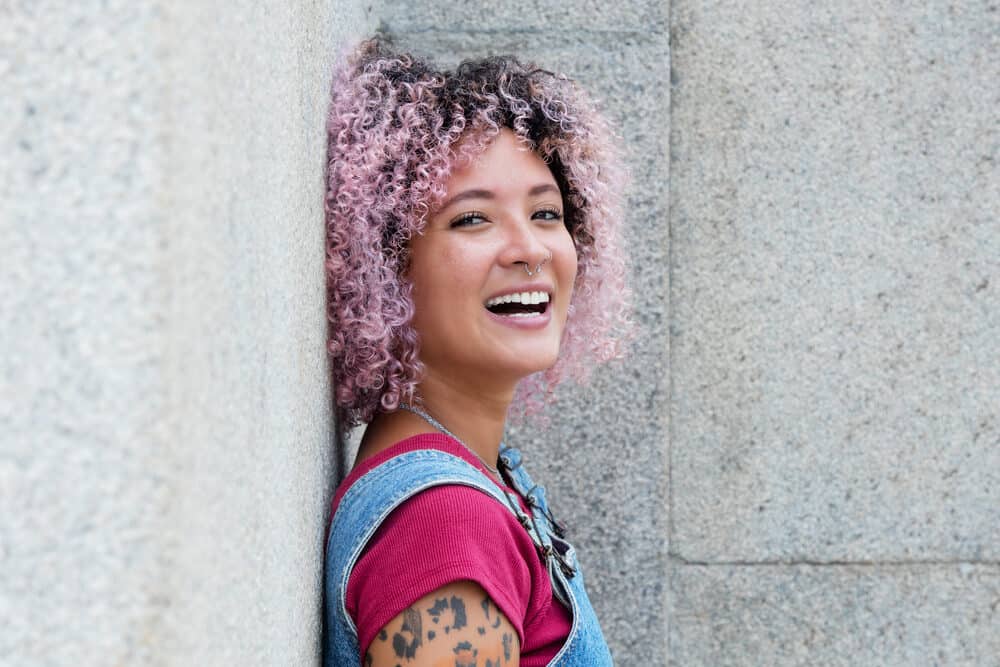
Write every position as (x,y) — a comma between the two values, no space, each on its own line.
(439,279)
(422,280)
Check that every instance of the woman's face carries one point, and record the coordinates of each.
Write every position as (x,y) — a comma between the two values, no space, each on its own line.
(502,213)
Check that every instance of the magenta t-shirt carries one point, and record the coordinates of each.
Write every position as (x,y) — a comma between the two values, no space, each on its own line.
(446,534)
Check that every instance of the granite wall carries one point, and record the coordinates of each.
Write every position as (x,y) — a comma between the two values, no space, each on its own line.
(164,402)
(835,334)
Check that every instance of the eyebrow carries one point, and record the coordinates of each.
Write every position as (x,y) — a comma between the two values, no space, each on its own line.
(474,193)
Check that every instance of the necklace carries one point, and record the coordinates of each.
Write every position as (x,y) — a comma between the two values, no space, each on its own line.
(439,426)
(549,555)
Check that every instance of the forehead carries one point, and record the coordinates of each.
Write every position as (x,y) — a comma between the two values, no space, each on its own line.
(506,162)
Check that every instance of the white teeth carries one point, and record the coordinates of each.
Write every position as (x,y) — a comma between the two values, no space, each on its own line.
(519,297)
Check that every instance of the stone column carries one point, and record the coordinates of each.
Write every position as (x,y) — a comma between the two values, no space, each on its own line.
(164,402)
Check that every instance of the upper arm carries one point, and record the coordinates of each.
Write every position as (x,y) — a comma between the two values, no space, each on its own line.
(457,625)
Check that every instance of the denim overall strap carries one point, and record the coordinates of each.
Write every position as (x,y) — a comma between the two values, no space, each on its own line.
(585,646)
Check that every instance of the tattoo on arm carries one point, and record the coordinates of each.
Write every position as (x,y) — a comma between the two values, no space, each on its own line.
(486,604)
(465,655)
(479,634)
(458,609)
(407,647)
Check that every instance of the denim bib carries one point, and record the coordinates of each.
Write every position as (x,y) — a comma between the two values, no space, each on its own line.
(381,490)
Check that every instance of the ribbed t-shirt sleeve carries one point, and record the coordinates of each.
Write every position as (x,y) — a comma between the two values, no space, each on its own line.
(439,536)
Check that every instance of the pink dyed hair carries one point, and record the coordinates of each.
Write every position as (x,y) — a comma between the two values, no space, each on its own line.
(393,139)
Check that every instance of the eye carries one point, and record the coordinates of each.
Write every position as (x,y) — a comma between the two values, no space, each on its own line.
(468,219)
(547,214)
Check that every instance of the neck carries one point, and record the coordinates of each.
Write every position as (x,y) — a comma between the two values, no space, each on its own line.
(476,416)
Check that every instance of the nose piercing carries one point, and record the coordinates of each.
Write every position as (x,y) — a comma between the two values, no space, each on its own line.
(538,267)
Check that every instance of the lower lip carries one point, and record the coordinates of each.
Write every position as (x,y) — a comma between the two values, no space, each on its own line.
(538,321)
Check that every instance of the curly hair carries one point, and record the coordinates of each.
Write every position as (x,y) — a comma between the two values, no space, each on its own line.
(397,129)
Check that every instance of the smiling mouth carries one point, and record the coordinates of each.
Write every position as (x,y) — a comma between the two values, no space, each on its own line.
(523,304)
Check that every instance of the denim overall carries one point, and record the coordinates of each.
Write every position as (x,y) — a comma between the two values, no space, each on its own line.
(377,493)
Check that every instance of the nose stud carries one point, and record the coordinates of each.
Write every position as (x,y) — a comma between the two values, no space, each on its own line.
(538,267)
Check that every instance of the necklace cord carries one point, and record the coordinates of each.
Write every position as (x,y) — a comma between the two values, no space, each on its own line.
(547,551)
(439,426)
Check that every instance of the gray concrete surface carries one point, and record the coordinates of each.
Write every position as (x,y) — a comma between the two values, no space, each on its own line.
(835,321)
(844,616)
(836,262)
(164,399)
(602,454)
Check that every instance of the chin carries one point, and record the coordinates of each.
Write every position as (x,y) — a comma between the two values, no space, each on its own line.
(526,366)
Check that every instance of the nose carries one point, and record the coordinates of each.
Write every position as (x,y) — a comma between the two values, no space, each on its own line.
(524,246)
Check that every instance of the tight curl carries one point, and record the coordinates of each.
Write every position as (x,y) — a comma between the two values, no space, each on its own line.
(397,128)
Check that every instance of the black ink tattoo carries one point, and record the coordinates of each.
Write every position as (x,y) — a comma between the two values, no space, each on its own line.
(431,635)
(438,609)
(481,630)
(485,604)
(368,660)
(507,642)
(411,624)
(491,663)
(465,655)
(458,609)
(383,635)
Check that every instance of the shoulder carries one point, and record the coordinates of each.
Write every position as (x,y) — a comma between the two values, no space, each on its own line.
(453,518)
(440,536)
(412,450)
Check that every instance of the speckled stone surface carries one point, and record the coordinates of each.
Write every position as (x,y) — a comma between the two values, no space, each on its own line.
(164,422)
(603,453)
(835,299)
(550,23)
(834,328)
(892,616)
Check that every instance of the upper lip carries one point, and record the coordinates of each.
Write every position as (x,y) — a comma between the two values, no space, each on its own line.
(526,287)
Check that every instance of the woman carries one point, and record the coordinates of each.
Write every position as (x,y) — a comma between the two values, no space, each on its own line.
(473,264)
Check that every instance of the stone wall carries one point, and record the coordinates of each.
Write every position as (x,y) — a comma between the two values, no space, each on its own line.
(835,330)
(164,406)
